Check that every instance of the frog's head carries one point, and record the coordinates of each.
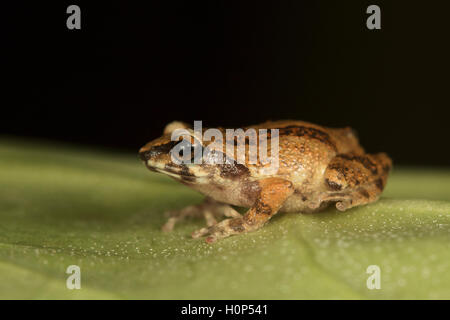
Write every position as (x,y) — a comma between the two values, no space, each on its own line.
(157,156)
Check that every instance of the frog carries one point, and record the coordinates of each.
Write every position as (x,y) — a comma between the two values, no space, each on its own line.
(318,167)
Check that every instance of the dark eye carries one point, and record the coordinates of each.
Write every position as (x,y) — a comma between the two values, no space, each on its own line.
(185,147)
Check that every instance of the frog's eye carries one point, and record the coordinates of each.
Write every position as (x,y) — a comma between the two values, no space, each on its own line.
(351,132)
(187,151)
(183,152)
(171,127)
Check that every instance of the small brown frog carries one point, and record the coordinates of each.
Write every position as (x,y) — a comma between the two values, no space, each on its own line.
(317,166)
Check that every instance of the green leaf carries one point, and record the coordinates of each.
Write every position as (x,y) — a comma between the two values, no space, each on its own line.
(103,212)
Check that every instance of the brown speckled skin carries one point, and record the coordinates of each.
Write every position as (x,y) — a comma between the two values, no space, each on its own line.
(317,166)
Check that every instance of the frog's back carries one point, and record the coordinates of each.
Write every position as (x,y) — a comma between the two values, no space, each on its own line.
(337,140)
(305,149)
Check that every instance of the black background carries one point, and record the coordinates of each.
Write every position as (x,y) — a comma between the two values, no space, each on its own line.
(134,67)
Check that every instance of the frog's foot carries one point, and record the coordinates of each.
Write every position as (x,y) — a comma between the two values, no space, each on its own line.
(345,200)
(351,197)
(354,180)
(272,194)
(209,209)
(224,229)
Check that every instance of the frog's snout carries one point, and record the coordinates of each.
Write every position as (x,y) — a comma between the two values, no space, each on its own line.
(146,154)
(153,152)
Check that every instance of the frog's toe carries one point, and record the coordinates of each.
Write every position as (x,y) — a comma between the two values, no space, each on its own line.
(200,233)
(169,225)
(344,205)
(209,209)
(222,229)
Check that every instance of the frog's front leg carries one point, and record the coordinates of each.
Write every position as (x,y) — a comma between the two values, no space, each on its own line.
(354,180)
(209,209)
(272,194)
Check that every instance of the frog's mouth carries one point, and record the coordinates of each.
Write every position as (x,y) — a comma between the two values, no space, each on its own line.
(178,171)
(181,170)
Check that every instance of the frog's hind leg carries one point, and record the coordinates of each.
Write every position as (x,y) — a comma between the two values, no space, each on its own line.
(209,209)
(272,194)
(354,180)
